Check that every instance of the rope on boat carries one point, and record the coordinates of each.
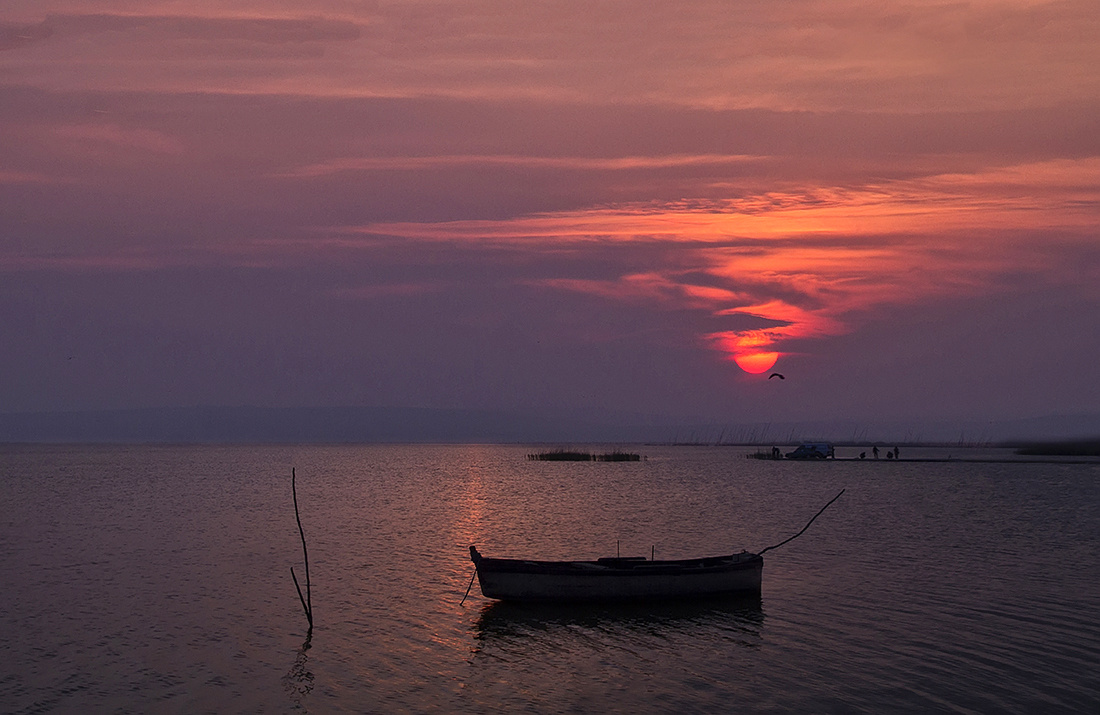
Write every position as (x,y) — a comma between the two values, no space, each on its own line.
(469,587)
(805,527)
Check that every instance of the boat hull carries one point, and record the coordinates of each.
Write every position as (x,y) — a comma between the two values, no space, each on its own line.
(618,579)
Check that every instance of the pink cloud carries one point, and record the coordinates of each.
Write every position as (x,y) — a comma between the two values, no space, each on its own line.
(389,289)
(812,55)
(113,137)
(27,177)
(576,163)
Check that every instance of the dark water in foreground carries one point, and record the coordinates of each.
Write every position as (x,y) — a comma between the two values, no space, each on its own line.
(157,579)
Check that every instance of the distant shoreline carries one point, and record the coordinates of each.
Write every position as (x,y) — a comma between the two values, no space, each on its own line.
(961,460)
(1066,448)
(1077,435)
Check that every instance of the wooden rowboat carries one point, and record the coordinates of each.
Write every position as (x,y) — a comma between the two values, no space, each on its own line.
(631,578)
(622,579)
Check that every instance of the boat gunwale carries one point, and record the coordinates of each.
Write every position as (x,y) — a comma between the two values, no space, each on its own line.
(622,566)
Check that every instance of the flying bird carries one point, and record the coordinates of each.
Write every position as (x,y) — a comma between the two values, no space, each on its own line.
(776,374)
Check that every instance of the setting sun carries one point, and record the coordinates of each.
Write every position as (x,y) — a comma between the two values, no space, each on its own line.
(751,350)
(755,363)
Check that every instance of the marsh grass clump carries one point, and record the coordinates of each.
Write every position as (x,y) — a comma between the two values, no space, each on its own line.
(565,455)
(561,455)
(617,456)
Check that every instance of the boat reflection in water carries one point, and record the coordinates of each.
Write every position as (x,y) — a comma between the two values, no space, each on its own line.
(649,626)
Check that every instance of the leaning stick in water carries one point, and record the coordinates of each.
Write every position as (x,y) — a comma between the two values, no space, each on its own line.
(307,601)
(805,527)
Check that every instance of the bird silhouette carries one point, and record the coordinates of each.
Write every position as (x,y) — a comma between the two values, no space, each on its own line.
(776,374)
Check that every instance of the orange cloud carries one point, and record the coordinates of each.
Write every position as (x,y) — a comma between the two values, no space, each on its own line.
(808,262)
(1047,195)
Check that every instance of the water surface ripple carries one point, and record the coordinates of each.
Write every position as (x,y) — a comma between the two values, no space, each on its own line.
(156,578)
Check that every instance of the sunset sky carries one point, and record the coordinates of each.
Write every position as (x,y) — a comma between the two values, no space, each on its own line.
(595,207)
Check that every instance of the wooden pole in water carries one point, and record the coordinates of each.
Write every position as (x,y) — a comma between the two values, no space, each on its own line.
(307,601)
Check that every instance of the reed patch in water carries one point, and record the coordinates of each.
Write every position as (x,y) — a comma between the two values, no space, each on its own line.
(565,455)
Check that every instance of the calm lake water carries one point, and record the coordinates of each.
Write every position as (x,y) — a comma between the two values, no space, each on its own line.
(157,579)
